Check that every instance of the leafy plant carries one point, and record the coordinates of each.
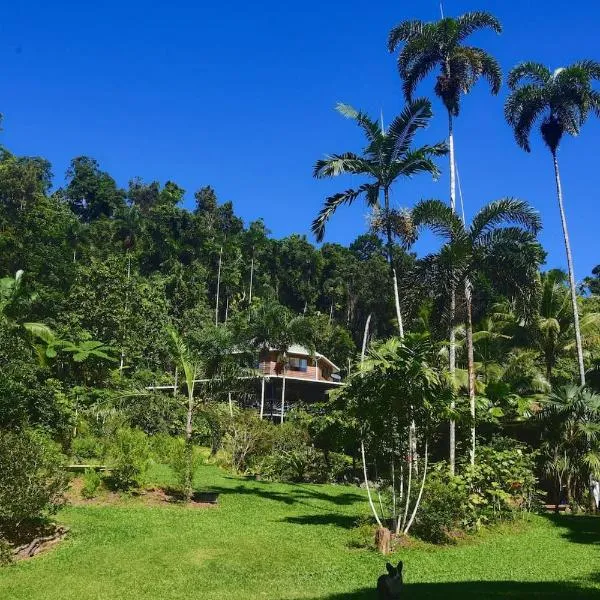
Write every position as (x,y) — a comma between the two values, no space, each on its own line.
(92,480)
(129,455)
(32,479)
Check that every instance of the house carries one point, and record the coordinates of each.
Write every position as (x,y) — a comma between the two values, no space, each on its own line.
(303,377)
(306,376)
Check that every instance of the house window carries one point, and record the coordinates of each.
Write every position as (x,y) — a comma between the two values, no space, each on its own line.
(298,364)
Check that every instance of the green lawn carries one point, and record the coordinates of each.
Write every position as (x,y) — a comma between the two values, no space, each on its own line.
(275,541)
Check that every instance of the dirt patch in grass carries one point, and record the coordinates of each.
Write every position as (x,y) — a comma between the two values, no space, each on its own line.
(151,496)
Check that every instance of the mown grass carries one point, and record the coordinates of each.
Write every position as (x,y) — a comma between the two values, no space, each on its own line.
(273,541)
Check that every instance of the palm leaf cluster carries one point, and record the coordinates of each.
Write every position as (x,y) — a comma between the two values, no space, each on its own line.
(440,45)
(387,157)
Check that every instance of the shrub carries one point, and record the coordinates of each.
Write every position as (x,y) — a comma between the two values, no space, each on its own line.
(6,553)
(92,480)
(129,455)
(85,448)
(32,478)
(502,483)
(247,437)
(443,507)
(179,460)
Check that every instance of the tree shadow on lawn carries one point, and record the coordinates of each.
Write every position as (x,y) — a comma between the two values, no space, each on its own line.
(297,495)
(584,529)
(480,590)
(343,521)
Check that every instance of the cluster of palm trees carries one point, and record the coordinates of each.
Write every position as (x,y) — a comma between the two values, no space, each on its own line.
(558,101)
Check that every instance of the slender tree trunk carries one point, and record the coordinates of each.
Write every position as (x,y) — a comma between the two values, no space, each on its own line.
(122,361)
(189,475)
(470,364)
(218,286)
(331,313)
(563,220)
(365,338)
(409,483)
(283,393)
(371,504)
(251,277)
(418,501)
(452,337)
(390,256)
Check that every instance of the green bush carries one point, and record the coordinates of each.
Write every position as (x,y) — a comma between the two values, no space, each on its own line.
(502,483)
(179,459)
(247,438)
(129,455)
(6,553)
(32,478)
(443,507)
(86,448)
(92,480)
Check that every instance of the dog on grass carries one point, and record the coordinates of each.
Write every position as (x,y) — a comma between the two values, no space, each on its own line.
(389,587)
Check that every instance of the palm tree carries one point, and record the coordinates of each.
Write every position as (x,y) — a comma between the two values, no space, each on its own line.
(440,45)
(273,327)
(571,428)
(387,157)
(561,102)
(499,245)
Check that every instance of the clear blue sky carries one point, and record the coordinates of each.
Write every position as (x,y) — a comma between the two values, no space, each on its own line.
(240,95)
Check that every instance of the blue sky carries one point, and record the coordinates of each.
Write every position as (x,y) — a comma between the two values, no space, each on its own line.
(240,96)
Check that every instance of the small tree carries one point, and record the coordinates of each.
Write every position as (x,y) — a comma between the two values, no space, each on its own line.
(397,398)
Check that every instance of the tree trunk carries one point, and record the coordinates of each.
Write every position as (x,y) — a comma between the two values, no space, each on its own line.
(470,364)
(365,337)
(452,337)
(189,476)
(283,393)
(371,504)
(563,220)
(251,277)
(409,483)
(418,501)
(390,257)
(218,286)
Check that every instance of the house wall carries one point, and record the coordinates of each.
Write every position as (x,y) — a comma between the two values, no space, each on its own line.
(268,365)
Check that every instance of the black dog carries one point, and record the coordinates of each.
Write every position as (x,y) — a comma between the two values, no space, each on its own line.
(389,586)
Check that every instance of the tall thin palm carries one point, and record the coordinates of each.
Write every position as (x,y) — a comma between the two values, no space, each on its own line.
(561,102)
(498,244)
(387,158)
(440,45)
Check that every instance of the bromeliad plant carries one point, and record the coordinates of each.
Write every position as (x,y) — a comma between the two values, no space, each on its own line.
(397,398)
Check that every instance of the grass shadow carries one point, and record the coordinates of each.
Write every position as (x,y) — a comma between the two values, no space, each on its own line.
(579,529)
(480,590)
(343,521)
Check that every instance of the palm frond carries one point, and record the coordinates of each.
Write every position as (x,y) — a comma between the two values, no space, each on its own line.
(523,107)
(505,211)
(528,73)
(401,132)
(368,125)
(474,21)
(404,32)
(334,202)
(439,217)
(341,164)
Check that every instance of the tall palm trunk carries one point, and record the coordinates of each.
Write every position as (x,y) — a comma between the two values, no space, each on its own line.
(218,286)
(452,337)
(390,256)
(122,361)
(563,220)
(189,449)
(470,364)
(283,388)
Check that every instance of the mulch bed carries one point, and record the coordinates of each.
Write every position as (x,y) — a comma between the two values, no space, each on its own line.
(33,539)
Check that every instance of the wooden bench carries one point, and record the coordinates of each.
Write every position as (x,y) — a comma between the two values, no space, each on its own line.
(83,468)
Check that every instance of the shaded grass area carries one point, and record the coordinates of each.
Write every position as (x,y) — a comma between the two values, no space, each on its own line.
(275,541)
